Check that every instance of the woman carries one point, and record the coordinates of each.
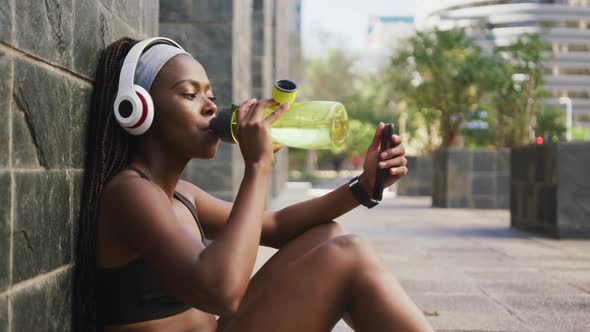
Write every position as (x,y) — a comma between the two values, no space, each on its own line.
(141,261)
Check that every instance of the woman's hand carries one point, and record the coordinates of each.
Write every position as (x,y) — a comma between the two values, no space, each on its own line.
(392,159)
(253,132)
(276,147)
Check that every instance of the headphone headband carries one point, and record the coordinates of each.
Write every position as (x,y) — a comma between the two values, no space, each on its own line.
(127,76)
(133,106)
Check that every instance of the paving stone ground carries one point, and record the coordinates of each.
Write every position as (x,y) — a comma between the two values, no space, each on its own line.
(467,269)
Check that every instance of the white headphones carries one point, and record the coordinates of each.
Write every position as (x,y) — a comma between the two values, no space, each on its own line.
(133,107)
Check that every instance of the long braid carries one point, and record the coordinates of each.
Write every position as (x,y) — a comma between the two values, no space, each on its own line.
(108,150)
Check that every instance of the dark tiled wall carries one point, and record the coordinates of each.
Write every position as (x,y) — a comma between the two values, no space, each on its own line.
(220,41)
(465,178)
(418,181)
(235,41)
(48,54)
(550,189)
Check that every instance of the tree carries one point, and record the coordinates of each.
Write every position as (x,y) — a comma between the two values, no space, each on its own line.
(370,101)
(447,81)
(441,71)
(329,78)
(360,135)
(550,124)
(516,80)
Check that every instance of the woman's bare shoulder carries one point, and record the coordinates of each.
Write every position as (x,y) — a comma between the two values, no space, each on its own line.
(127,186)
(132,205)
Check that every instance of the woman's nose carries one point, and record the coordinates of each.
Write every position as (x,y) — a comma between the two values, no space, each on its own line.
(209,108)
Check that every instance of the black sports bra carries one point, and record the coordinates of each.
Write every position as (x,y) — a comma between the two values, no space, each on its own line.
(132,293)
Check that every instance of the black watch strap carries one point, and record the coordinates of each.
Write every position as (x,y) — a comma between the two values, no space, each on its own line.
(360,193)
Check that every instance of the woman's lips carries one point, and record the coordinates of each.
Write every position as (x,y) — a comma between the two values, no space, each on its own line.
(210,132)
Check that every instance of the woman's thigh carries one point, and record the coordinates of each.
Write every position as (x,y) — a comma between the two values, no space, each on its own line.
(292,250)
(309,294)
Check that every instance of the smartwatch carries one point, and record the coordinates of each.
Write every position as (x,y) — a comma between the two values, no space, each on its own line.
(359,192)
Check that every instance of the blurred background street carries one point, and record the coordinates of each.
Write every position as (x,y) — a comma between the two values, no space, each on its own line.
(467,269)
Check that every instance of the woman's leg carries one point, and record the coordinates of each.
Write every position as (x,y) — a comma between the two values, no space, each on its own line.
(313,292)
(292,250)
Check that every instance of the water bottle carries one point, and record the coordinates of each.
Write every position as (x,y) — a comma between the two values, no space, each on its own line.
(306,125)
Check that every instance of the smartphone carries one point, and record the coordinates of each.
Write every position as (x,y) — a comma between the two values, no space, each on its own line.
(381,173)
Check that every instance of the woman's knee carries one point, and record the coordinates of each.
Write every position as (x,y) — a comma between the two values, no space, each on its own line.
(318,234)
(352,250)
(304,244)
(328,230)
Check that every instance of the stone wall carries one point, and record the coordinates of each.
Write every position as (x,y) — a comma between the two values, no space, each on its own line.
(233,39)
(465,178)
(220,41)
(281,50)
(296,64)
(48,54)
(263,73)
(262,41)
(550,189)
(418,181)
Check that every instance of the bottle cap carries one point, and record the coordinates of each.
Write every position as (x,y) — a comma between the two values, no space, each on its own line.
(283,91)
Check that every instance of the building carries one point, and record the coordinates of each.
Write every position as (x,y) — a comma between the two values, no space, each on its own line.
(563,24)
(294,33)
(383,35)
(244,46)
(385,31)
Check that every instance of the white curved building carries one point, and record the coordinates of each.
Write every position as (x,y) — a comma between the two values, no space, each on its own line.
(563,24)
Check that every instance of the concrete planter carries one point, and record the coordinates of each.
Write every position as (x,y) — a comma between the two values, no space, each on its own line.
(550,189)
(471,178)
(418,181)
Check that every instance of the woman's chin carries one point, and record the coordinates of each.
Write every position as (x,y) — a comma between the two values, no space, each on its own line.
(206,152)
(211,153)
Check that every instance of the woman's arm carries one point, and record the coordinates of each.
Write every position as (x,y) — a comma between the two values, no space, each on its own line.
(278,227)
(214,278)
(235,249)
(293,220)
(287,223)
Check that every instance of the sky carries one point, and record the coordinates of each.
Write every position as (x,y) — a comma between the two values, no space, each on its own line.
(343,23)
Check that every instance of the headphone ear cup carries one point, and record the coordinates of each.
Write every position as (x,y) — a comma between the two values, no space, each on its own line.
(147,112)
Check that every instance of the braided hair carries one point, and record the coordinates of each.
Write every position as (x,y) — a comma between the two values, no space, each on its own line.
(108,150)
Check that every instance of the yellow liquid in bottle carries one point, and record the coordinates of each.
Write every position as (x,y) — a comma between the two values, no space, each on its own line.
(309,125)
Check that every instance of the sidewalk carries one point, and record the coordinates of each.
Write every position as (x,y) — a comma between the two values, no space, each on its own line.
(467,270)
